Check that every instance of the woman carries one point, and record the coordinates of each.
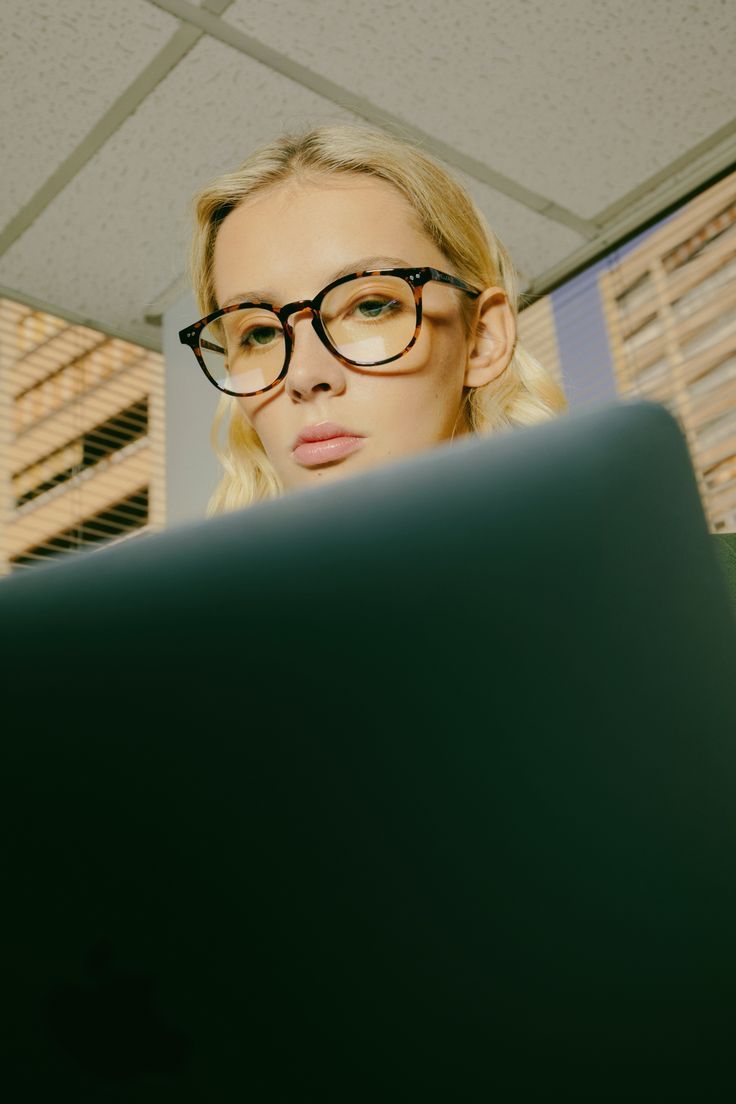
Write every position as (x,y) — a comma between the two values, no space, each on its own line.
(371,313)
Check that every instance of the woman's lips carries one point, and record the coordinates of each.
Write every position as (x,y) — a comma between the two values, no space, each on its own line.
(311,453)
(325,442)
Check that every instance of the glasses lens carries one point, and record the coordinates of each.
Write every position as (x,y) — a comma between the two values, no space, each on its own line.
(371,319)
(244,350)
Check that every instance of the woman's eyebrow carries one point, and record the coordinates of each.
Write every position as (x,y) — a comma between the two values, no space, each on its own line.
(360,265)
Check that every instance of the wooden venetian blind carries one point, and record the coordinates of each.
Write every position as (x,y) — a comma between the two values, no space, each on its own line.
(670,304)
(82,435)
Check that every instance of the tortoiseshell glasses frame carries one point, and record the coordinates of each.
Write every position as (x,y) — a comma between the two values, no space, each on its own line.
(416,278)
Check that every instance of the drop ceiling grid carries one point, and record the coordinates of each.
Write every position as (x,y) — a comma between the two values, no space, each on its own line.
(117,235)
(577,101)
(63,65)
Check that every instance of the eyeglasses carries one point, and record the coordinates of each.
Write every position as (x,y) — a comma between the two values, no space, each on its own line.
(366,320)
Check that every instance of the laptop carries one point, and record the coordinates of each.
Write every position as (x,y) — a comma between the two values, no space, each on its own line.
(416,786)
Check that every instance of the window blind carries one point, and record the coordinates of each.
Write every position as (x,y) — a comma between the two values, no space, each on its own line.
(656,319)
(82,425)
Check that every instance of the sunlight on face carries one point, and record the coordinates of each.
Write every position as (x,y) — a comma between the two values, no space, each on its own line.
(289,242)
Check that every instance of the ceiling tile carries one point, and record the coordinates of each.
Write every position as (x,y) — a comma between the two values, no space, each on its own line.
(63,64)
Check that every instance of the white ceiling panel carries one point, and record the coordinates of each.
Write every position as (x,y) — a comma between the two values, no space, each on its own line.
(577,100)
(63,62)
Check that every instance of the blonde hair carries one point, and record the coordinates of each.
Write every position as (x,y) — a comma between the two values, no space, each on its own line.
(524,394)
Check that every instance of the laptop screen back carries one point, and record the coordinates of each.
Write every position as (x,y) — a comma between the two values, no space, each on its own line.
(417,785)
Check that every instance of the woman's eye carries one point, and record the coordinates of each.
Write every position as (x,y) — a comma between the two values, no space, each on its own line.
(376,308)
(258,337)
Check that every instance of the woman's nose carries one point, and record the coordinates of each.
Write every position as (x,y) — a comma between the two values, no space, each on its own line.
(312,368)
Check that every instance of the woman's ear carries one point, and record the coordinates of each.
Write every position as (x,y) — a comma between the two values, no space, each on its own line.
(493,342)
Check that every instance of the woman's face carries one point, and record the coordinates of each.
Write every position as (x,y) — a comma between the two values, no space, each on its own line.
(291,241)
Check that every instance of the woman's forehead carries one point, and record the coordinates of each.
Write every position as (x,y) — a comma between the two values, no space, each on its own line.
(307,230)
(314,189)
(352,206)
